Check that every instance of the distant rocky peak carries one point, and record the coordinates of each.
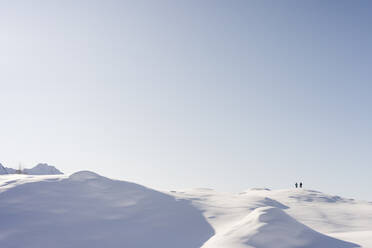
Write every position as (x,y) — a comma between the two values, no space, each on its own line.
(3,170)
(42,169)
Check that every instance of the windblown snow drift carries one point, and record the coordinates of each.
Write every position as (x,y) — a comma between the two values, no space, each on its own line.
(88,210)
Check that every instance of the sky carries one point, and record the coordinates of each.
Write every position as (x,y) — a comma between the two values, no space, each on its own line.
(178,94)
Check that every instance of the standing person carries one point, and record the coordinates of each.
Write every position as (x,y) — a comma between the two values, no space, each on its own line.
(300,184)
(296,184)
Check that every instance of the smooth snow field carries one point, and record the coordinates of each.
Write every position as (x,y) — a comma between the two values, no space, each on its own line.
(88,210)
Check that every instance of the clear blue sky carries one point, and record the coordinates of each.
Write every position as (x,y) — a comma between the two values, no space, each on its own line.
(178,94)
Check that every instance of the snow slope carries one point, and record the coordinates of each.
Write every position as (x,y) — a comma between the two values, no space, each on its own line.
(337,217)
(88,210)
(325,213)
(363,238)
(267,227)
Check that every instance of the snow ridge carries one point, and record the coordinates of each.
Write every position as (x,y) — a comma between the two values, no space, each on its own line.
(94,211)
(88,210)
(268,227)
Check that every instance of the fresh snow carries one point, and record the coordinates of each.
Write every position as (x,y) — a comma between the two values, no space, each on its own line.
(267,227)
(333,216)
(88,210)
(363,238)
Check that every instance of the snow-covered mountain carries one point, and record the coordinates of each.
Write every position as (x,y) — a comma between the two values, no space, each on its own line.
(88,210)
(11,170)
(39,169)
(3,170)
(42,169)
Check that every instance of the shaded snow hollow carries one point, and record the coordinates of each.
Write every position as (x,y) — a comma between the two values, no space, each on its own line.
(88,210)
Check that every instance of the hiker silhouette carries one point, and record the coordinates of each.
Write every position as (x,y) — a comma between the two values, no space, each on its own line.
(301,185)
(296,184)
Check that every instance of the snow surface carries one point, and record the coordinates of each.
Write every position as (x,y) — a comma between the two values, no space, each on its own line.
(333,216)
(88,210)
(267,227)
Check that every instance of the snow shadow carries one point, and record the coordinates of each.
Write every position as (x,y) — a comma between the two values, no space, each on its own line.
(273,203)
(319,197)
(272,227)
(87,210)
